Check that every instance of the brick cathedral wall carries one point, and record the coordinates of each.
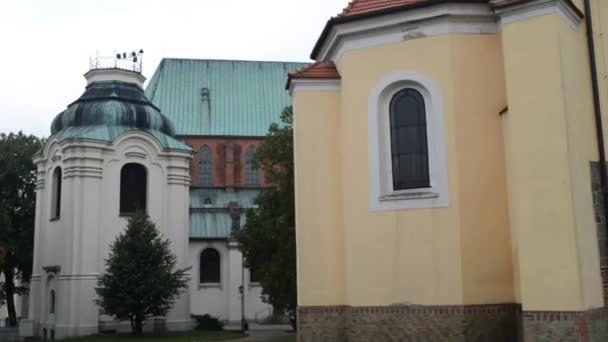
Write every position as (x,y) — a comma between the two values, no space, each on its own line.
(217,147)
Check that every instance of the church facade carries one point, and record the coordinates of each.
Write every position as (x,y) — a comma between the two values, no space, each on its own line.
(112,152)
(450,173)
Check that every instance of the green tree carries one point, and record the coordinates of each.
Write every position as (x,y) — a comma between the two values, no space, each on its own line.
(141,280)
(17,210)
(268,240)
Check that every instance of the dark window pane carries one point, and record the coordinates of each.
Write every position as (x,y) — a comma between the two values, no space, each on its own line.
(210,266)
(253,276)
(205,166)
(251,172)
(56,199)
(52,302)
(409,145)
(133,188)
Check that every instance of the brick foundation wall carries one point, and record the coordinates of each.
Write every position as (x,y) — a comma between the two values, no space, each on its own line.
(549,326)
(600,220)
(471,323)
(496,323)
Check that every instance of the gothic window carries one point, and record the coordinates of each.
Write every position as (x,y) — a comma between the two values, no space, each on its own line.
(409,148)
(133,188)
(56,194)
(52,302)
(205,166)
(210,266)
(252,173)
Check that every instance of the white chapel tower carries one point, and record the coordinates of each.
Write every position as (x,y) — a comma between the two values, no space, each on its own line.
(110,153)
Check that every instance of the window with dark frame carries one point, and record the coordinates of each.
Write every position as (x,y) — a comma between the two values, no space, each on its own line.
(205,166)
(210,266)
(133,188)
(56,201)
(252,173)
(409,145)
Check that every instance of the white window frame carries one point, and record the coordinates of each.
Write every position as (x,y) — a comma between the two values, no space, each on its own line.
(382,195)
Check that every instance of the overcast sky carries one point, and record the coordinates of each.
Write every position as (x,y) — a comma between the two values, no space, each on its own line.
(45,45)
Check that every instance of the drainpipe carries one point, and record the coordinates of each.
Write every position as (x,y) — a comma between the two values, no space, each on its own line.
(598,113)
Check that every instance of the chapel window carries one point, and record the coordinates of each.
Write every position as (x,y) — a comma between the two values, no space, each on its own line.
(56,194)
(133,188)
(210,266)
(205,166)
(409,147)
(252,173)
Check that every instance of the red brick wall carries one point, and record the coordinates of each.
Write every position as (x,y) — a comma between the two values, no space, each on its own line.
(228,159)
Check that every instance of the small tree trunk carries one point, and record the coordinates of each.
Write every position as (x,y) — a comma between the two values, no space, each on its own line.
(9,290)
(138,325)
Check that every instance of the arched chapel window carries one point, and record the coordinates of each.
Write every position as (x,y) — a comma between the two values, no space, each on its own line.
(56,194)
(252,173)
(210,266)
(409,147)
(205,166)
(133,188)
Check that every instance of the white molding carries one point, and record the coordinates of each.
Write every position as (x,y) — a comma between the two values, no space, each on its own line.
(98,75)
(314,85)
(382,197)
(416,23)
(533,9)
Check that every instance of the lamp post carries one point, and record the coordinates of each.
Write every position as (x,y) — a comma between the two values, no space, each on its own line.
(244,326)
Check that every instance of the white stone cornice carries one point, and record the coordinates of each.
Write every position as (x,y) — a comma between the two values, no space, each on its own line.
(532,9)
(476,18)
(81,171)
(314,85)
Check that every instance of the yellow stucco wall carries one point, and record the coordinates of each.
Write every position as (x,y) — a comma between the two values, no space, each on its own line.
(455,255)
(520,224)
(318,209)
(549,134)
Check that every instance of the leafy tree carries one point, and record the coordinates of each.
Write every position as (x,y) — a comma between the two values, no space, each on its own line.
(17,210)
(140,280)
(268,240)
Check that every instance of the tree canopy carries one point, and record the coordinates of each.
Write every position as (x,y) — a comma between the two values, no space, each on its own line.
(268,239)
(141,279)
(17,210)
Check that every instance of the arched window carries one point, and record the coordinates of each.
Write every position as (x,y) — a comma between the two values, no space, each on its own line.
(133,188)
(205,166)
(56,194)
(210,266)
(252,173)
(52,302)
(409,148)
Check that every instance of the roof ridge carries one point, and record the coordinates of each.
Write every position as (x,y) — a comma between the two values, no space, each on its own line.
(315,71)
(348,7)
(229,60)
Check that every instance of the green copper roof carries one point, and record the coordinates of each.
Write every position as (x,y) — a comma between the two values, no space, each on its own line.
(220,198)
(212,220)
(211,225)
(108,109)
(221,97)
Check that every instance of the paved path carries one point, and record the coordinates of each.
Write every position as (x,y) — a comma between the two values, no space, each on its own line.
(271,336)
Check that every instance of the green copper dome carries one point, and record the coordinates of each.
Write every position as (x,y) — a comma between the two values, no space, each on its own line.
(108,109)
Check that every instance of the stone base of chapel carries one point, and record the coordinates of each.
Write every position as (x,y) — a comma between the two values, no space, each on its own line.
(478,323)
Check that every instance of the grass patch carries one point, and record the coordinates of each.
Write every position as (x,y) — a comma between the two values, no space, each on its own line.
(192,336)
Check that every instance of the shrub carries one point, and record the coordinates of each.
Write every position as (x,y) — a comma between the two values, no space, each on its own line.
(208,323)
